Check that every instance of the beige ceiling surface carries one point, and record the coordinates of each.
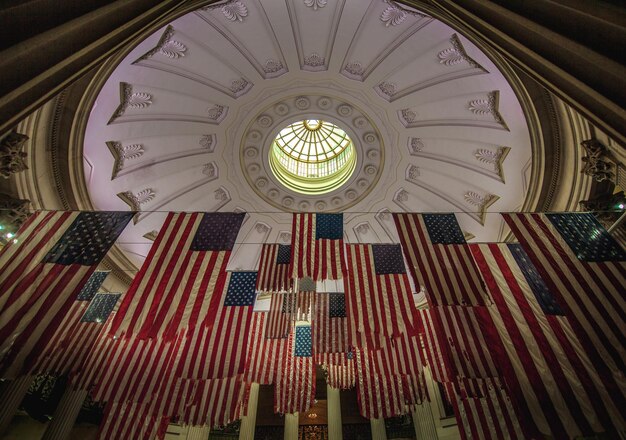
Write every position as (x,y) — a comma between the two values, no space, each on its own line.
(185,121)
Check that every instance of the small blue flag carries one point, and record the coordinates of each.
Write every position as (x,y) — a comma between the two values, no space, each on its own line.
(303,347)
(443,229)
(388,259)
(241,290)
(101,307)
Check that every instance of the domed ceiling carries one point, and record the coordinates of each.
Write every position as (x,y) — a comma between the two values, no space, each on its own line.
(186,121)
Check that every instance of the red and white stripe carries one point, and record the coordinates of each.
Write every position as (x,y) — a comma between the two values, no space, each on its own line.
(447,272)
(551,375)
(73,340)
(306,305)
(273,277)
(342,374)
(592,293)
(295,382)
(279,322)
(215,402)
(173,288)
(330,335)
(318,259)
(131,421)
(264,355)
(379,307)
(434,353)
(35,297)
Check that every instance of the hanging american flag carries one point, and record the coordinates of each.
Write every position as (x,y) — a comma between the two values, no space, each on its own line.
(330,326)
(340,370)
(41,273)
(295,381)
(439,259)
(434,353)
(378,293)
(264,355)
(281,315)
(185,267)
(317,246)
(306,299)
(275,268)
(548,372)
(586,271)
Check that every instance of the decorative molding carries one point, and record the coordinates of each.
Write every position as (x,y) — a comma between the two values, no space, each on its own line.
(416,145)
(362,228)
(130,99)
(392,16)
(412,173)
(408,115)
(210,170)
(221,194)
(13,212)
(152,235)
(354,68)
(216,112)
(488,106)
(314,60)
(302,103)
(166,46)
(136,200)
(456,54)
(122,153)
(388,89)
(239,85)
(468,235)
(273,66)
(315,4)
(233,10)
(481,202)
(208,142)
(402,196)
(261,228)
(284,237)
(598,163)
(493,158)
(12,158)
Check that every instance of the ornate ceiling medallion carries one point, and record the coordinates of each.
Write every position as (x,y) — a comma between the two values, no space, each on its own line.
(325,155)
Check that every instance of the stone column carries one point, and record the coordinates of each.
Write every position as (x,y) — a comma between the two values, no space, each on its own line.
(291,426)
(11,395)
(378,429)
(423,422)
(198,432)
(334,413)
(248,422)
(65,415)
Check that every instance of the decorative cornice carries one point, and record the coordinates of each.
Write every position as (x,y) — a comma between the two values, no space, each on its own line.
(130,99)
(208,142)
(239,85)
(123,153)
(12,158)
(457,54)
(273,66)
(136,200)
(314,60)
(493,158)
(408,115)
(480,202)
(216,112)
(354,68)
(387,88)
(416,145)
(233,10)
(315,4)
(392,16)
(167,46)
(210,170)
(488,106)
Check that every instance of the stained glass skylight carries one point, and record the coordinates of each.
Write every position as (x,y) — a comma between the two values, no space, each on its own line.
(312,156)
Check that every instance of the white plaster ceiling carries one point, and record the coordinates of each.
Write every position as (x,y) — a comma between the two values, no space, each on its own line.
(171,128)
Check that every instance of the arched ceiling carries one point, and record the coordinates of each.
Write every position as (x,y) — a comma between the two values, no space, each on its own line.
(186,120)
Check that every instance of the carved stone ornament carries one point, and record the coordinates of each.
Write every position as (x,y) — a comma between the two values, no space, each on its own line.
(235,11)
(12,158)
(487,106)
(363,228)
(208,142)
(122,153)
(273,66)
(314,60)
(493,158)
(210,169)
(408,115)
(167,46)
(261,228)
(412,172)
(416,145)
(481,202)
(456,54)
(238,85)
(221,194)
(392,16)
(130,99)
(598,162)
(402,196)
(387,88)
(152,235)
(354,68)
(284,237)
(315,4)
(136,200)
(13,212)
(215,113)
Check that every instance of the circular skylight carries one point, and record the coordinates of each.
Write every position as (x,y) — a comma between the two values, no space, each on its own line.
(312,156)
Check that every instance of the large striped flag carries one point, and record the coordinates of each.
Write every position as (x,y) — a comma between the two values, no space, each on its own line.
(295,382)
(41,273)
(317,246)
(281,315)
(439,259)
(305,302)
(434,352)
(185,267)
(340,370)
(379,299)
(275,268)
(330,326)
(550,376)
(265,355)
(586,271)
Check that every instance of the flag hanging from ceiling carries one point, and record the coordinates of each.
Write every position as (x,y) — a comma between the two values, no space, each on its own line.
(330,326)
(281,315)
(42,272)
(439,259)
(295,382)
(550,376)
(379,299)
(340,370)
(185,267)
(317,246)
(305,299)
(264,355)
(585,269)
(275,268)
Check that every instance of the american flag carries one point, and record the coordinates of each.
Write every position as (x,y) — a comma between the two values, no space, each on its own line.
(586,271)
(264,355)
(330,326)
(551,376)
(275,268)
(434,353)
(295,381)
(306,299)
(439,259)
(317,246)
(341,371)
(185,267)
(41,273)
(73,339)
(281,315)
(378,293)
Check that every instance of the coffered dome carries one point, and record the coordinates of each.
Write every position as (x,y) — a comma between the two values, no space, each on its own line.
(273,107)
